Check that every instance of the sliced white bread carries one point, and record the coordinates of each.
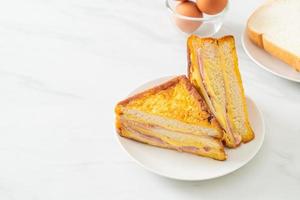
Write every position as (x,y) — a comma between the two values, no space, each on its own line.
(275,27)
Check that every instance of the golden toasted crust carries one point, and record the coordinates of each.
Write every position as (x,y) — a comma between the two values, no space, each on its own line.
(165,86)
(261,41)
(183,111)
(155,89)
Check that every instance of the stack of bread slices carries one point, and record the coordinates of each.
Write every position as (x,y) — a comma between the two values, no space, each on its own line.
(275,27)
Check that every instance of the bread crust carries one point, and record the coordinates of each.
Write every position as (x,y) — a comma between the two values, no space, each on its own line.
(262,41)
(250,135)
(282,54)
(160,87)
(255,37)
(166,85)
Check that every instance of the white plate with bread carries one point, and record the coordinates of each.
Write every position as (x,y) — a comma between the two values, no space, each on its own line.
(271,38)
(204,116)
(188,167)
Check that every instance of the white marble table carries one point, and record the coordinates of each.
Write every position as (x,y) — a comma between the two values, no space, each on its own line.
(63,66)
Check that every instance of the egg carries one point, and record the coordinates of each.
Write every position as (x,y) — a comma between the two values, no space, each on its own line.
(188,9)
(211,7)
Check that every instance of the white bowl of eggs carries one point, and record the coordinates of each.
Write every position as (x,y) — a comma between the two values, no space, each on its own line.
(201,17)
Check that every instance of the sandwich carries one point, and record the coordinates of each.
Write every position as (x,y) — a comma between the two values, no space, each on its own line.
(213,70)
(171,115)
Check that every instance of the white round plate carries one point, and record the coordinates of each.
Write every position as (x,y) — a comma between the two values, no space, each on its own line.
(269,62)
(184,166)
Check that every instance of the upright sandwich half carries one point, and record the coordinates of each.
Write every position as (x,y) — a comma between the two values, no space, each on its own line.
(171,115)
(213,70)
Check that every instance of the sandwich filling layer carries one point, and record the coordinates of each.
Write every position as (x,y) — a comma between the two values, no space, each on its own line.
(210,82)
(216,96)
(162,137)
(236,108)
(171,124)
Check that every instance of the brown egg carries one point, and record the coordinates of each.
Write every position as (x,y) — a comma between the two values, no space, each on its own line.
(188,9)
(211,7)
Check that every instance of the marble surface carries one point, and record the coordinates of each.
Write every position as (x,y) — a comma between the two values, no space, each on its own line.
(63,66)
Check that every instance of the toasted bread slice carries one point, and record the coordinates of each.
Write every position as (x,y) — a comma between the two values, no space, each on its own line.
(271,28)
(213,70)
(172,115)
